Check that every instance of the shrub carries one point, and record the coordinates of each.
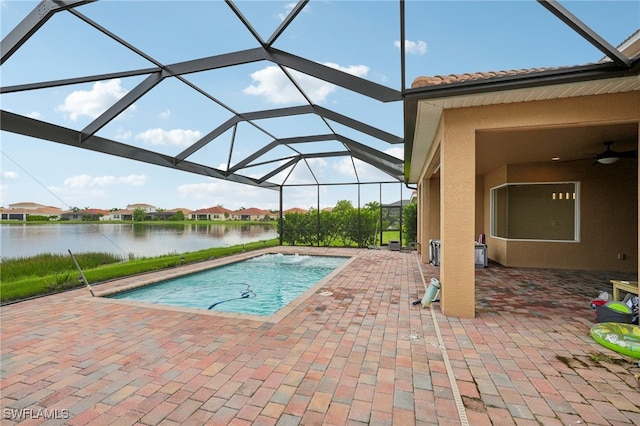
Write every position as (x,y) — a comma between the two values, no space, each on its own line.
(410,222)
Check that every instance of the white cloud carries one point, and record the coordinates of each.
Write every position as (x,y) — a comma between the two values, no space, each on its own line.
(103,181)
(135,180)
(123,134)
(396,151)
(80,181)
(165,114)
(365,171)
(287,9)
(345,166)
(85,181)
(4,184)
(273,84)
(229,194)
(357,70)
(35,114)
(79,196)
(9,175)
(92,102)
(233,195)
(301,174)
(174,137)
(307,197)
(413,47)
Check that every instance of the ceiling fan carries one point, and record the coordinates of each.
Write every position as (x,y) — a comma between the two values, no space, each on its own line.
(609,156)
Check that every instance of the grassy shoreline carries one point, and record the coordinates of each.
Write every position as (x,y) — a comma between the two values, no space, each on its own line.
(28,277)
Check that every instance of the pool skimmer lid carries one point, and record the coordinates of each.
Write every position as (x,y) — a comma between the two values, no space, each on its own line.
(326,293)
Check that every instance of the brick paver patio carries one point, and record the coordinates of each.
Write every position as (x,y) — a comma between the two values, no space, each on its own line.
(363,354)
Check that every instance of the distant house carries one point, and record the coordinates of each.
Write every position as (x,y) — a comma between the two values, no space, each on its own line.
(26,206)
(251,213)
(394,210)
(392,213)
(20,211)
(146,207)
(168,214)
(211,213)
(295,210)
(396,204)
(86,214)
(185,212)
(118,215)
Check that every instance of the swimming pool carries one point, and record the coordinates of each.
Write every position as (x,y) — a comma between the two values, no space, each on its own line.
(258,286)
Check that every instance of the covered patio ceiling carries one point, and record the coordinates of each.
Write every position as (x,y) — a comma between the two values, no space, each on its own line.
(360,136)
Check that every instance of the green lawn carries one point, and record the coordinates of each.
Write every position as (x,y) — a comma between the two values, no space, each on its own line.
(46,274)
(390,235)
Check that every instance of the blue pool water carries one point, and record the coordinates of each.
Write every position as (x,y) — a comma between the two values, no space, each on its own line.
(259,286)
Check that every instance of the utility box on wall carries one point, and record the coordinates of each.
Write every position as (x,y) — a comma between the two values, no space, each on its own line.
(481,255)
(434,252)
(394,245)
(481,260)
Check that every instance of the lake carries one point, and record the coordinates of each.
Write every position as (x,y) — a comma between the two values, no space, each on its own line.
(123,239)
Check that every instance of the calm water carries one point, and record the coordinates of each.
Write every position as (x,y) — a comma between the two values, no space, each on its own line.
(123,239)
(260,286)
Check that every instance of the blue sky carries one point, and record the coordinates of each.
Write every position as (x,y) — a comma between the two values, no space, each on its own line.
(359,37)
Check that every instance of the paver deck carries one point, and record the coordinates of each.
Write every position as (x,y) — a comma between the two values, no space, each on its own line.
(363,354)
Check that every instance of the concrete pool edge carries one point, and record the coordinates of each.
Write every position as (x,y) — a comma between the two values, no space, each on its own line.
(103,290)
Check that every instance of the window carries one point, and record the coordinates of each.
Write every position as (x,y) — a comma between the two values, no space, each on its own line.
(536,211)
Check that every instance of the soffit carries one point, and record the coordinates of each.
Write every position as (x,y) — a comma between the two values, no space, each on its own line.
(569,90)
(575,144)
(429,112)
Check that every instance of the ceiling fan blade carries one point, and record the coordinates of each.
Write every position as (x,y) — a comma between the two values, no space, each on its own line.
(611,154)
(628,154)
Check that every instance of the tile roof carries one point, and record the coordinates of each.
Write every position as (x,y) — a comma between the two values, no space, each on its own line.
(134,205)
(87,211)
(44,210)
(212,210)
(29,205)
(295,210)
(425,81)
(630,47)
(252,211)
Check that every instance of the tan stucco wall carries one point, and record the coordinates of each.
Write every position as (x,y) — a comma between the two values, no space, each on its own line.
(462,213)
(457,215)
(429,214)
(496,247)
(429,198)
(480,213)
(608,212)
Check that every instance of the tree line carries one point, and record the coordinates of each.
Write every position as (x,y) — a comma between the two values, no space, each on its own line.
(346,225)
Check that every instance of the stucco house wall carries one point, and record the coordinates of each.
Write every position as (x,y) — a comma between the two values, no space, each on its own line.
(454,203)
(608,204)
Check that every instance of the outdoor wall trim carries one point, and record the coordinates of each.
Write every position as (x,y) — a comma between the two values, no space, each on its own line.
(581,75)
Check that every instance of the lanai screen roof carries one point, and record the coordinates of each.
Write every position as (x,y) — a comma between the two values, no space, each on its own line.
(320,104)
